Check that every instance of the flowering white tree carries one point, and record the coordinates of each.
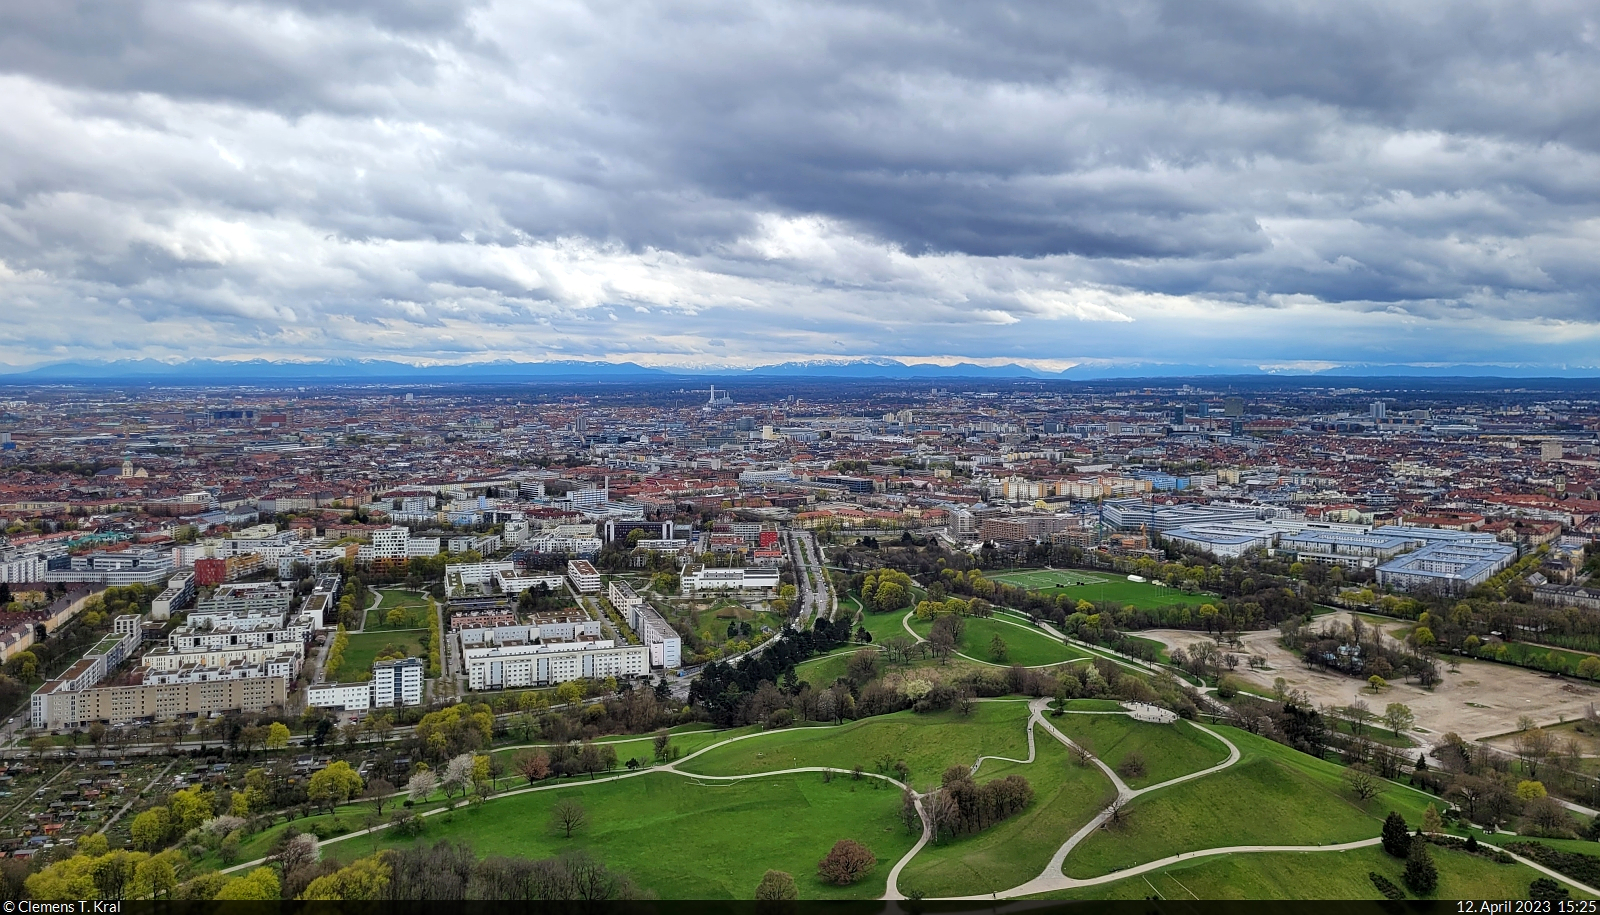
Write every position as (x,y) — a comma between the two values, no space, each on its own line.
(457,775)
(421,786)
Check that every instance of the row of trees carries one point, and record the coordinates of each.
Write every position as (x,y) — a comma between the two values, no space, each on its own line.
(447,872)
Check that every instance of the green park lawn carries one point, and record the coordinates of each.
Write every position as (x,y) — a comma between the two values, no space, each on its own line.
(683,839)
(882,625)
(365,646)
(1159,648)
(1065,797)
(1314,875)
(929,743)
(686,739)
(1528,654)
(1097,587)
(1168,750)
(1272,796)
(1025,644)
(344,819)
(1376,733)
(414,604)
(821,672)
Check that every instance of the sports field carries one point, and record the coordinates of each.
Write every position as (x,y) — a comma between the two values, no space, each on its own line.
(1100,586)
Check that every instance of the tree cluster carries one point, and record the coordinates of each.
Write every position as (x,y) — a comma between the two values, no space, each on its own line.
(961,806)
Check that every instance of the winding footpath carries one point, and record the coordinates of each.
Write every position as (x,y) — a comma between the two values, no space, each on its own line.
(671,767)
(1051,879)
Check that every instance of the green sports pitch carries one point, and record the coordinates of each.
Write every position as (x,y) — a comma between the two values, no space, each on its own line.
(1100,586)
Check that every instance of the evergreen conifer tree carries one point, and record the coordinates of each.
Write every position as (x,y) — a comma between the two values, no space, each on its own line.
(1396,838)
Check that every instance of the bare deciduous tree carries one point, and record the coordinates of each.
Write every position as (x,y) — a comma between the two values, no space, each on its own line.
(1533,746)
(568,815)
(1362,783)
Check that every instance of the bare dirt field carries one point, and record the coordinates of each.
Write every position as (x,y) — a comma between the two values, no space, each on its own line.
(1481,700)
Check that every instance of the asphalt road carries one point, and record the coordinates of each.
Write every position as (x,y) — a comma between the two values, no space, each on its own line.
(811,579)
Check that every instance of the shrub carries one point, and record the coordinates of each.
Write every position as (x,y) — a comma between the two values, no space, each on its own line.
(847,862)
(1132,766)
(1546,889)
(1580,867)
(776,886)
(1385,886)
(405,823)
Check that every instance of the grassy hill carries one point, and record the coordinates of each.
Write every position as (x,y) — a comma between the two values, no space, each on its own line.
(1272,796)
(928,743)
(686,840)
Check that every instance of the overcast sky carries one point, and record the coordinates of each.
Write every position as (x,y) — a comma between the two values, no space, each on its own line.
(693,183)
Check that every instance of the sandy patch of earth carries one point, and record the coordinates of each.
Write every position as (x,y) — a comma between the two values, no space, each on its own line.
(1481,700)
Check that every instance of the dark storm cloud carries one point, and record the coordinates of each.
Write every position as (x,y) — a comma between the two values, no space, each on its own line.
(257,54)
(1027,180)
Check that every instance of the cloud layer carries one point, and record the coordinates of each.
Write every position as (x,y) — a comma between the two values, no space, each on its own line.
(1227,183)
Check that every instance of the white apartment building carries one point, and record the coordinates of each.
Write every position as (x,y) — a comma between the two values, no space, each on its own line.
(666,646)
(397,543)
(546,664)
(703,578)
(283,655)
(541,629)
(315,558)
(282,667)
(675,545)
(585,580)
(548,542)
(588,499)
(221,632)
(483,543)
(623,597)
(19,565)
(245,600)
(459,576)
(119,569)
(178,593)
(397,682)
(352,697)
(514,584)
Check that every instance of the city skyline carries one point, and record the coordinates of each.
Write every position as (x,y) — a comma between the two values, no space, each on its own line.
(1244,189)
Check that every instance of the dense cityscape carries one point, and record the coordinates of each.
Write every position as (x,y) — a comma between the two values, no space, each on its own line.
(768,457)
(258,619)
